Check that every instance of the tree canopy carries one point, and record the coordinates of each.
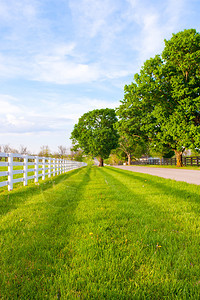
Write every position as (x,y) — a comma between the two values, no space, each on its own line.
(95,133)
(162,105)
(133,146)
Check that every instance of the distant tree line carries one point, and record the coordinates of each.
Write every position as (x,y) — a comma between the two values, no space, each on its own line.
(45,151)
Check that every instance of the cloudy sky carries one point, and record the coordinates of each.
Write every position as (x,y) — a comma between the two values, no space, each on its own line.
(62,58)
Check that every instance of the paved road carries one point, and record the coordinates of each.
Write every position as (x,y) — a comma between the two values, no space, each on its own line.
(189,176)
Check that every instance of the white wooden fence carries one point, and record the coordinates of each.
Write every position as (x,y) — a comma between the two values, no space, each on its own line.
(26,165)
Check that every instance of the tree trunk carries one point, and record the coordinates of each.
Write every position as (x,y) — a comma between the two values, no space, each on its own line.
(129,159)
(100,162)
(179,162)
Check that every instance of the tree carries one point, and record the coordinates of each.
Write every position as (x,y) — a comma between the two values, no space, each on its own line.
(131,144)
(45,151)
(116,157)
(62,151)
(24,150)
(163,104)
(7,149)
(160,150)
(95,133)
(181,59)
(78,155)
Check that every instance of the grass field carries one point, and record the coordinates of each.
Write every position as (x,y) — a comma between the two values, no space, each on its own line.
(170,167)
(100,233)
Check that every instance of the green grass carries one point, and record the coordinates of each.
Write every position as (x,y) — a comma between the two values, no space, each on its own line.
(16,176)
(100,233)
(170,167)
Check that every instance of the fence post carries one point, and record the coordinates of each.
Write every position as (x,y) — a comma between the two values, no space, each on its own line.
(49,167)
(63,166)
(57,166)
(36,168)
(10,172)
(43,168)
(25,170)
(60,166)
(54,166)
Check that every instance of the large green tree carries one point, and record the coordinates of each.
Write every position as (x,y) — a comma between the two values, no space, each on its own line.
(163,104)
(132,145)
(133,137)
(95,133)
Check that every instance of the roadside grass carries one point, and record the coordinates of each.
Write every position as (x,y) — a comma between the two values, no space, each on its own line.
(170,167)
(100,233)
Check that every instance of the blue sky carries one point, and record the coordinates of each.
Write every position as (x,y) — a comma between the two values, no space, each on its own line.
(62,58)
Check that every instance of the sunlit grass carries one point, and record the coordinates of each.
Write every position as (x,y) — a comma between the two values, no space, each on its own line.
(100,233)
(170,167)
(17,176)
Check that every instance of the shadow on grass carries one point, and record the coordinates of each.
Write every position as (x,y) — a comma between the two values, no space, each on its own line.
(152,214)
(40,246)
(123,192)
(165,185)
(11,200)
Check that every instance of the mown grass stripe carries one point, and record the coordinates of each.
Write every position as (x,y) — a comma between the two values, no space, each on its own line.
(101,233)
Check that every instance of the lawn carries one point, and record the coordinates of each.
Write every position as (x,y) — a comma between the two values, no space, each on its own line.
(170,167)
(100,233)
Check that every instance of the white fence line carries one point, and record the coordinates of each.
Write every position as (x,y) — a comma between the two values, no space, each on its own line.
(41,166)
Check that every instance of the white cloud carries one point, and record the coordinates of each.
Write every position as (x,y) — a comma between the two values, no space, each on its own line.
(13,120)
(63,71)
(70,63)
(72,110)
(50,116)
(49,123)
(8,105)
(91,17)
(9,66)
(154,22)
(63,50)
(176,10)
(59,68)
(152,36)
(14,10)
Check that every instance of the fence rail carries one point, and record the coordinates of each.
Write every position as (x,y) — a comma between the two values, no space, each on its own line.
(31,167)
(187,161)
